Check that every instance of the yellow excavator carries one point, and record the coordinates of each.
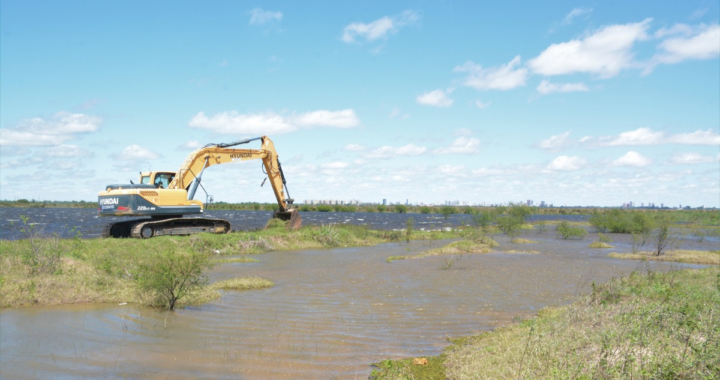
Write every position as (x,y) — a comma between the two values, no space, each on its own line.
(165,197)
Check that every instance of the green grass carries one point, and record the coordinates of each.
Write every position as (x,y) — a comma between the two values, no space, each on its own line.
(599,244)
(654,326)
(241,259)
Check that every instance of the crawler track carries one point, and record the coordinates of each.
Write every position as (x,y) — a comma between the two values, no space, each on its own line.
(147,228)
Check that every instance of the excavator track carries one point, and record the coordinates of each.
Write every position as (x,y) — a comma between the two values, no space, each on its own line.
(147,228)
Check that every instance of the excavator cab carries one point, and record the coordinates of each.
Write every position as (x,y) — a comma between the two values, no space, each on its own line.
(160,180)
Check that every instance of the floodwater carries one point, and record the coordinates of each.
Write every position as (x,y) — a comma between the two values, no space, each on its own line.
(330,314)
(67,222)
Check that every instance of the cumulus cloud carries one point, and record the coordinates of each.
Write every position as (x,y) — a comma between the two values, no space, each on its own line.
(646,136)
(461,145)
(338,119)
(390,152)
(504,77)
(437,98)
(632,159)
(604,53)
(260,16)
(354,147)
(557,142)
(136,152)
(703,45)
(335,165)
(64,151)
(61,127)
(567,163)
(379,28)
(271,123)
(576,12)
(546,87)
(692,159)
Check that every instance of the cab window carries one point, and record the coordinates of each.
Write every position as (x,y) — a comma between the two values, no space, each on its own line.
(145,180)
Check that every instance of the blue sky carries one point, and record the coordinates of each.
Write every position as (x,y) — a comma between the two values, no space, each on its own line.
(571,103)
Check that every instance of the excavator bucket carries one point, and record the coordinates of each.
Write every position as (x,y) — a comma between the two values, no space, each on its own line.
(292,215)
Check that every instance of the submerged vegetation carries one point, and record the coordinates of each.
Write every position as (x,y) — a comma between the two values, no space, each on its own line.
(654,325)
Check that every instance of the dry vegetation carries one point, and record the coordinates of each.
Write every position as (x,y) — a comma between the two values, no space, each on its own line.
(678,255)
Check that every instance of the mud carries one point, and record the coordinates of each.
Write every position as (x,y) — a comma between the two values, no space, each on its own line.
(330,314)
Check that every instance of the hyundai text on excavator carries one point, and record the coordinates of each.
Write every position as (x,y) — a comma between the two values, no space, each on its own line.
(166,196)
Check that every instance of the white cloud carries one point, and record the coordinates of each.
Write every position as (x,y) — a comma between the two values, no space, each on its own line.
(437,98)
(481,105)
(190,145)
(335,165)
(234,123)
(260,16)
(699,137)
(390,152)
(271,123)
(56,130)
(463,132)
(640,136)
(461,145)
(546,87)
(692,158)
(567,163)
(576,12)
(605,52)
(704,45)
(555,143)
(338,119)
(379,28)
(504,77)
(64,151)
(632,159)
(646,136)
(354,147)
(136,152)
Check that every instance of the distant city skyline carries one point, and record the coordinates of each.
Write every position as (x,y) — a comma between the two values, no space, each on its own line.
(574,103)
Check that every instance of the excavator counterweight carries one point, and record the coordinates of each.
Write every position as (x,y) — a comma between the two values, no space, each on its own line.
(165,197)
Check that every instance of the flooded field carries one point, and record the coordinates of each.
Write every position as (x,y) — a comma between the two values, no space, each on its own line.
(66,222)
(330,313)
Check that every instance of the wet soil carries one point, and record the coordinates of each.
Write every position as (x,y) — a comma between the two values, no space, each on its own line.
(330,313)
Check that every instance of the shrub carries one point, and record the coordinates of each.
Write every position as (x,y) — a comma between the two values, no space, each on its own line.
(323,208)
(510,225)
(566,231)
(408,229)
(381,208)
(424,210)
(447,211)
(172,275)
(400,209)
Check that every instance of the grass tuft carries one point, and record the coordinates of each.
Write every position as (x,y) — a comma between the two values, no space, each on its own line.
(242,283)
(679,255)
(599,244)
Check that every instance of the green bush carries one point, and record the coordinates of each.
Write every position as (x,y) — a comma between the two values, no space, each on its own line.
(566,231)
(171,275)
(424,210)
(323,208)
(400,209)
(408,229)
(510,225)
(381,208)
(623,222)
(447,211)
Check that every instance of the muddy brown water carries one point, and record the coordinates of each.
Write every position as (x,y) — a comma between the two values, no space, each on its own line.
(330,314)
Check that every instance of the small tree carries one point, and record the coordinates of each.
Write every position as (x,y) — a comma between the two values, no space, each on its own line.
(424,210)
(662,233)
(483,220)
(172,276)
(400,209)
(566,231)
(510,225)
(381,208)
(408,229)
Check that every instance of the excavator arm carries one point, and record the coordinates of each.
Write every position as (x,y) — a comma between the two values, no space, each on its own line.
(189,175)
